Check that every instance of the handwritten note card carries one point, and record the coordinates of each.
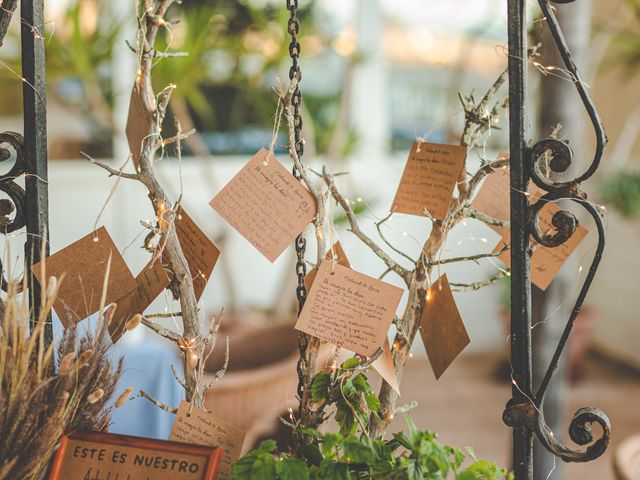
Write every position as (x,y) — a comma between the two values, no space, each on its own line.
(84,264)
(441,328)
(384,366)
(429,179)
(266,205)
(349,309)
(200,252)
(193,425)
(139,124)
(336,254)
(151,281)
(546,262)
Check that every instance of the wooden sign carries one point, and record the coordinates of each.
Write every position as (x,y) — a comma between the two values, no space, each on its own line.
(429,179)
(546,262)
(151,281)
(83,264)
(107,456)
(266,204)
(194,425)
(441,328)
(349,309)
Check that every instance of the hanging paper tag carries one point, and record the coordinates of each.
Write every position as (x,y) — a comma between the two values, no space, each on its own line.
(193,425)
(336,254)
(266,204)
(349,309)
(139,124)
(200,252)
(546,262)
(441,328)
(429,178)
(151,281)
(384,366)
(84,264)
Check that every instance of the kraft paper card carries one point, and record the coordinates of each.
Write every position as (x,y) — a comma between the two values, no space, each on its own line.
(151,281)
(384,366)
(349,309)
(336,254)
(200,252)
(545,262)
(266,204)
(193,425)
(494,196)
(429,178)
(84,264)
(139,123)
(441,328)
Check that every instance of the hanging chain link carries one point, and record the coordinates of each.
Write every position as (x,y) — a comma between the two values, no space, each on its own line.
(293,27)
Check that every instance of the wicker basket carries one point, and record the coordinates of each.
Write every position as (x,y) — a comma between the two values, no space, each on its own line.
(261,381)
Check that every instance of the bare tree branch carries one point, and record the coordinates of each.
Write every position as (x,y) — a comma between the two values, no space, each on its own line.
(112,171)
(469,287)
(157,402)
(355,229)
(471,258)
(7,7)
(160,330)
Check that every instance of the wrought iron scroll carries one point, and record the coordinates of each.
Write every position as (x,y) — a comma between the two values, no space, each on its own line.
(29,206)
(545,160)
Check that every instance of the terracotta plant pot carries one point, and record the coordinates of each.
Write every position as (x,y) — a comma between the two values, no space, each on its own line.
(261,379)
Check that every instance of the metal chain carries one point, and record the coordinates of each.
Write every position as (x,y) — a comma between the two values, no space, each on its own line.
(293,27)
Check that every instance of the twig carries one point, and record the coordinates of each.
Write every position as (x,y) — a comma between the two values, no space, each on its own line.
(157,402)
(220,373)
(179,379)
(285,99)
(163,315)
(176,138)
(112,171)
(398,251)
(471,258)
(470,287)
(485,170)
(160,330)
(471,212)
(7,7)
(404,273)
(157,54)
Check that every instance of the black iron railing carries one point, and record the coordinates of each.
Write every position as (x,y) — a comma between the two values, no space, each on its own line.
(525,411)
(28,207)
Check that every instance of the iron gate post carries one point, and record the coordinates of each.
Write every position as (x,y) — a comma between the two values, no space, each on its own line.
(546,163)
(36,207)
(520,276)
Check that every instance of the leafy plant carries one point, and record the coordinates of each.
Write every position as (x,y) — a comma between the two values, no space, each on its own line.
(622,192)
(413,455)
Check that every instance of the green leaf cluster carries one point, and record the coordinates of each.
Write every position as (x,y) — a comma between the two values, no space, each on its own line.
(622,192)
(350,392)
(412,455)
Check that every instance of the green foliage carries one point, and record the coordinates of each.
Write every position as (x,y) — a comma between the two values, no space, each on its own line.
(622,192)
(625,45)
(348,389)
(411,455)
